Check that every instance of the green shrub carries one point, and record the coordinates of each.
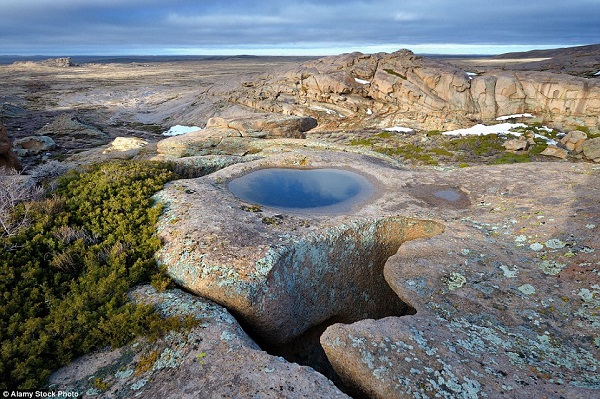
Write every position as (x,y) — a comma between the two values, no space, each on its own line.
(64,279)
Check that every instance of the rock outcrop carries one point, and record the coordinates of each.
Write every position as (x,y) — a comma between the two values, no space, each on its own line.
(382,89)
(591,149)
(70,133)
(499,264)
(32,145)
(266,125)
(214,359)
(8,159)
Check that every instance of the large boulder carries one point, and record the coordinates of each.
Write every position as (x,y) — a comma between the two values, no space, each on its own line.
(8,159)
(573,141)
(70,133)
(212,141)
(266,125)
(591,149)
(32,145)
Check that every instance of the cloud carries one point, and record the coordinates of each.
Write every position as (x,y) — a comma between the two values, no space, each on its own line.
(37,26)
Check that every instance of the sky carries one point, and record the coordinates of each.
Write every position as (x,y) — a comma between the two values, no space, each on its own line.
(173,27)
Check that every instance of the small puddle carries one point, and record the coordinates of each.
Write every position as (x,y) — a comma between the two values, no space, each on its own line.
(448,195)
(303,190)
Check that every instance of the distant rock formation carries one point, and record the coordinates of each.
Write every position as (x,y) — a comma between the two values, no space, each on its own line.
(8,159)
(382,89)
(62,62)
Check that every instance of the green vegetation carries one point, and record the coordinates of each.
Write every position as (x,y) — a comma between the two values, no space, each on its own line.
(64,278)
(394,73)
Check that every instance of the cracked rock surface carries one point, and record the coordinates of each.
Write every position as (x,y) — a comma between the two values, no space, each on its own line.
(499,263)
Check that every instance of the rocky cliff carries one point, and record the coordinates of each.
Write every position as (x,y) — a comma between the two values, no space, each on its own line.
(383,89)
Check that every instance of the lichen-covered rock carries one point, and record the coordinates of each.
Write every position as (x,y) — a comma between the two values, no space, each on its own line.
(504,299)
(214,359)
(283,274)
(591,149)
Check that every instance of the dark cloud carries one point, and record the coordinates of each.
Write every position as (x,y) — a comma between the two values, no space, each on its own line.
(155,26)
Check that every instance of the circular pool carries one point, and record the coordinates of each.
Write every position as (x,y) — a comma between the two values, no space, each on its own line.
(303,190)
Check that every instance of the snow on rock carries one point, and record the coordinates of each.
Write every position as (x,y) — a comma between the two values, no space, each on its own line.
(597,73)
(507,117)
(480,130)
(501,129)
(399,129)
(362,81)
(178,130)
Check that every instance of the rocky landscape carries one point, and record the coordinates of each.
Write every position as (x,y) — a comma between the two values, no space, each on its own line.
(472,270)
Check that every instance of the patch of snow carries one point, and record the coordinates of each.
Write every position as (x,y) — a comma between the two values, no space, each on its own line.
(597,73)
(362,81)
(548,140)
(507,117)
(471,74)
(399,129)
(327,110)
(369,112)
(178,130)
(482,130)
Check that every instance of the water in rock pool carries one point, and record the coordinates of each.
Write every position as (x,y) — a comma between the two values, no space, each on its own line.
(303,190)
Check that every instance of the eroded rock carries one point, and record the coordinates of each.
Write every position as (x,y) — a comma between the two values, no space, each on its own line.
(70,133)
(214,359)
(266,125)
(33,145)
(382,89)
(479,262)
(503,305)
(591,149)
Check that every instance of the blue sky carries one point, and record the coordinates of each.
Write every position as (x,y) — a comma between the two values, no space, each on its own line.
(76,27)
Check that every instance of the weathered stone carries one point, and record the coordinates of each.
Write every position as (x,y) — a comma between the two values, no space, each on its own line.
(494,316)
(203,142)
(34,144)
(121,144)
(591,149)
(482,296)
(70,133)
(279,290)
(266,125)
(554,151)
(8,159)
(214,359)
(421,92)
(573,141)
(520,144)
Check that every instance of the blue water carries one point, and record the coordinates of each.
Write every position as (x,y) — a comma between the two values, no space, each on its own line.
(305,190)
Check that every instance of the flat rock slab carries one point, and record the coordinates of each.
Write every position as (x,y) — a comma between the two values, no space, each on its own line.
(506,298)
(498,265)
(216,359)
